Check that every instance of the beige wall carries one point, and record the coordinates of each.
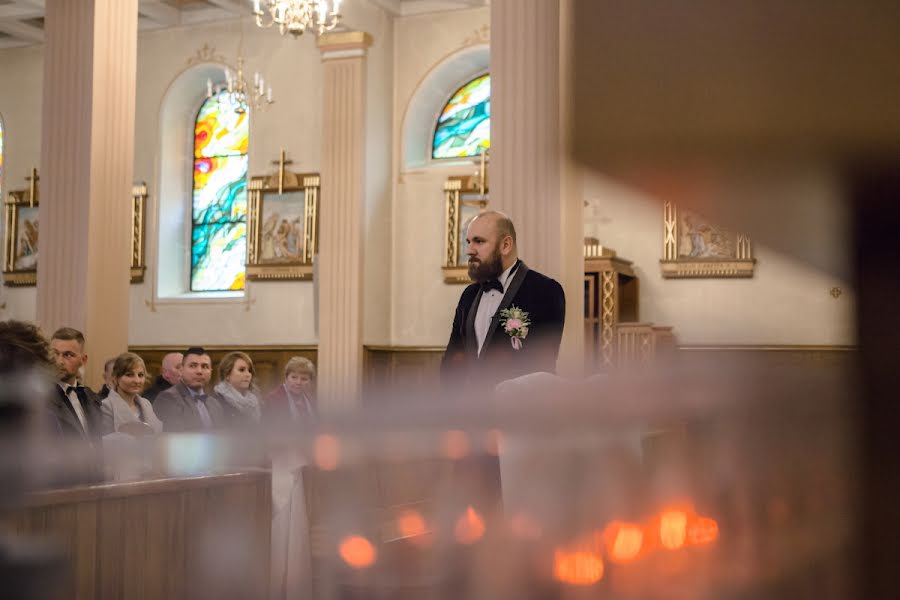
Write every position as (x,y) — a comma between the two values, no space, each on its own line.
(422,304)
(22,71)
(786,302)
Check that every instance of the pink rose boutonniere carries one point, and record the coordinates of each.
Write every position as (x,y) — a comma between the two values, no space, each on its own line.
(515,323)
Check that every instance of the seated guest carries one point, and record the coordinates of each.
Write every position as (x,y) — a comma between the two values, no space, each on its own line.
(76,407)
(107,379)
(185,406)
(235,390)
(293,400)
(125,408)
(170,374)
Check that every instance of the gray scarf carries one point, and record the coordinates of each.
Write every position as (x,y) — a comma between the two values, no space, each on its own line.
(246,405)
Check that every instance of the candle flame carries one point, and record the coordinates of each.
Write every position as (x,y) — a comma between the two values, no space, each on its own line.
(469,527)
(411,524)
(703,531)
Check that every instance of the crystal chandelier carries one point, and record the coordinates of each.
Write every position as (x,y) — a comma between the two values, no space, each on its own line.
(296,16)
(237,94)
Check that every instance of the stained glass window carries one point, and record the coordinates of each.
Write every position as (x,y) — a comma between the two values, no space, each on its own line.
(464,127)
(219,215)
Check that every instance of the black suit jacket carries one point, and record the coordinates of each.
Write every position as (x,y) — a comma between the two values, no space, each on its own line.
(67,422)
(177,410)
(544,301)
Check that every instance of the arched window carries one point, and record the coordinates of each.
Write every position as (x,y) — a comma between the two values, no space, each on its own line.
(464,127)
(219,207)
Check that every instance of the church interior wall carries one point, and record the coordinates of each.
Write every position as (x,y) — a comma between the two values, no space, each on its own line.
(20,108)
(407,302)
(788,301)
(422,304)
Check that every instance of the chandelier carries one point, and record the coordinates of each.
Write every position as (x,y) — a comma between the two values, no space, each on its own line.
(238,94)
(296,16)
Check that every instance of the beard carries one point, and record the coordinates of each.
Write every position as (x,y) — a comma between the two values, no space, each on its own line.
(488,269)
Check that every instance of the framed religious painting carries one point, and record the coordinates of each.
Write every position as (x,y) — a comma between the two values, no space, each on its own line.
(694,247)
(465,198)
(138,230)
(21,243)
(282,226)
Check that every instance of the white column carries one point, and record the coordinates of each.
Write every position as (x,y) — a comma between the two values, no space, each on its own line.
(341,215)
(531,178)
(87,161)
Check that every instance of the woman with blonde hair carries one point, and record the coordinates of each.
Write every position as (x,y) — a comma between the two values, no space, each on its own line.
(128,411)
(294,399)
(236,391)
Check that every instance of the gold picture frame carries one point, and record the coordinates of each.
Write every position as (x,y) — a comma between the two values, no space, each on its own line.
(20,256)
(465,196)
(693,247)
(282,226)
(138,231)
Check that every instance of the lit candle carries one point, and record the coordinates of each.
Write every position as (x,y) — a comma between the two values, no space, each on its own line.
(209,88)
(256,79)
(269,95)
(256,6)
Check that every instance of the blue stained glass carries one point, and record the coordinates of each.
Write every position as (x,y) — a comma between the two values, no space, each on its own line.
(463,129)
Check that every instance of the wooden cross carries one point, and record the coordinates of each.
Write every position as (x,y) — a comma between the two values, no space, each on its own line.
(281,162)
(32,187)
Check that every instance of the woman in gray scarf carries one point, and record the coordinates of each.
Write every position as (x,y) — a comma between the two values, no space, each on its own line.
(235,391)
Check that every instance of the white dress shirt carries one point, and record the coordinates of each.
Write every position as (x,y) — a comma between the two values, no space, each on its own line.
(490,302)
(76,405)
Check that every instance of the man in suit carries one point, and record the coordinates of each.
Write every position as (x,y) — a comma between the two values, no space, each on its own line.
(75,407)
(170,374)
(510,321)
(186,406)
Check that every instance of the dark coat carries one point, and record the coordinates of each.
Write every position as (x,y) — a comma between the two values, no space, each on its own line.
(177,410)
(67,422)
(159,385)
(544,301)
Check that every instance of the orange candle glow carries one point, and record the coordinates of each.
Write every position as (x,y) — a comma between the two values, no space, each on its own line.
(702,531)
(623,541)
(327,452)
(469,527)
(673,529)
(455,444)
(357,552)
(411,524)
(577,568)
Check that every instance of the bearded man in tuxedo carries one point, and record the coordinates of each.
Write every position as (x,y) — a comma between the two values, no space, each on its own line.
(510,321)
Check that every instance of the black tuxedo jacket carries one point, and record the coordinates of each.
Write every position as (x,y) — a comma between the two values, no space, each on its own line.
(67,422)
(544,301)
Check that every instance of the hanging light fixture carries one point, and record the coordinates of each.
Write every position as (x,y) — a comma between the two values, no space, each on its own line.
(296,16)
(236,93)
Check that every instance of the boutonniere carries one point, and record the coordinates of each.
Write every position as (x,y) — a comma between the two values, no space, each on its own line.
(515,323)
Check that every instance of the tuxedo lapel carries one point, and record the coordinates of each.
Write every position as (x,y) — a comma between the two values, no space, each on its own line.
(505,303)
(470,337)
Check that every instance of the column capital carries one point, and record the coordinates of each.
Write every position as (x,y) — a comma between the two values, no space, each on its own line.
(343,44)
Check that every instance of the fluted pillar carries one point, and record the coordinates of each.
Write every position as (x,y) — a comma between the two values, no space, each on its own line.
(531,179)
(87,160)
(341,215)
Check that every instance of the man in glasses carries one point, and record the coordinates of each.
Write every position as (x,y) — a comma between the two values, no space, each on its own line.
(76,407)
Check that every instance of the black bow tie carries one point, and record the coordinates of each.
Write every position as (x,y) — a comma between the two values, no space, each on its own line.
(72,388)
(491,284)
